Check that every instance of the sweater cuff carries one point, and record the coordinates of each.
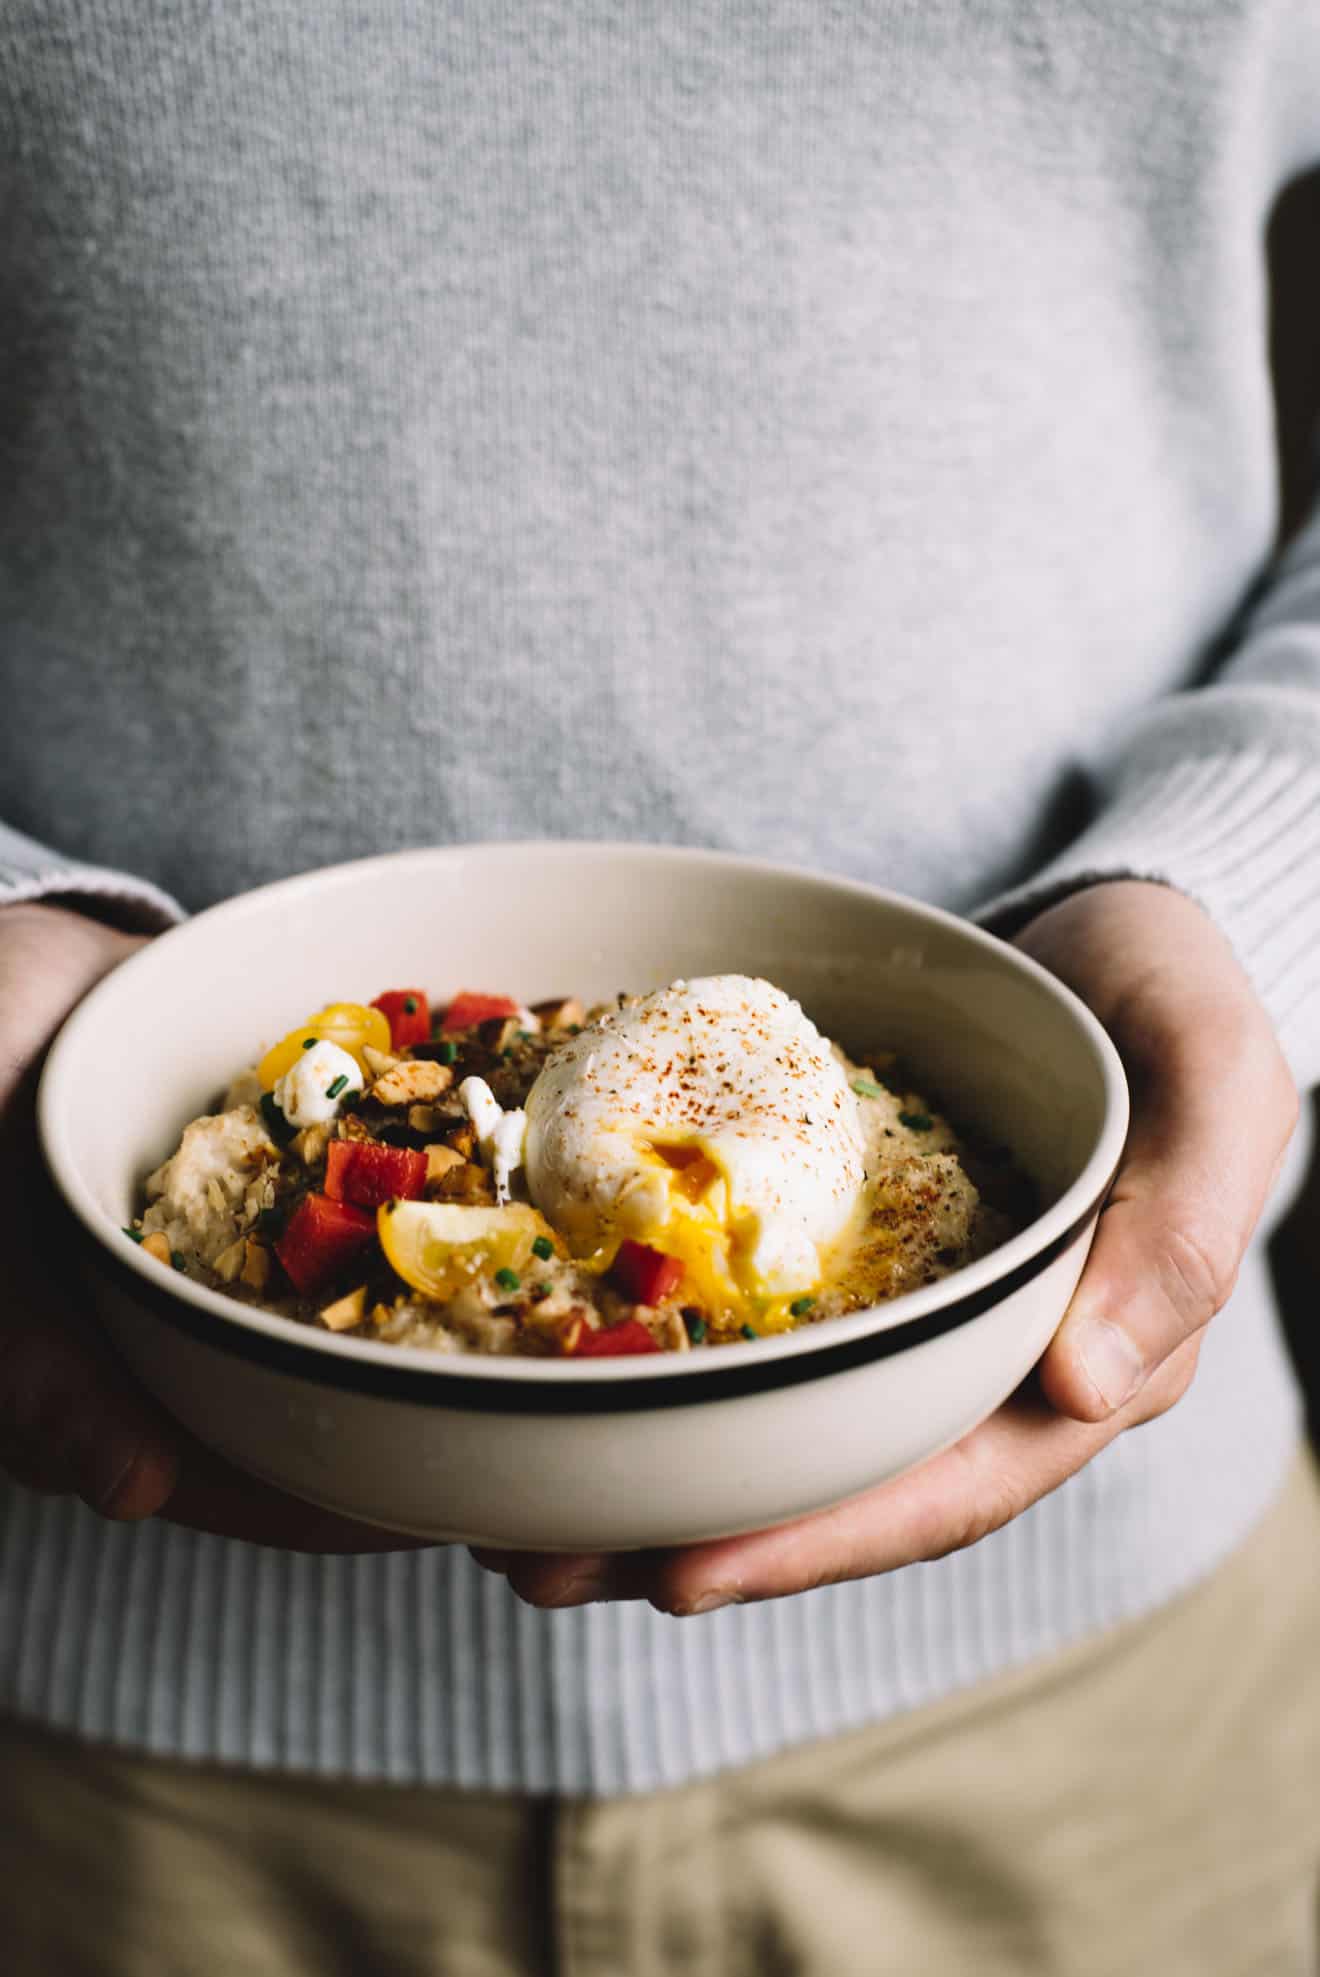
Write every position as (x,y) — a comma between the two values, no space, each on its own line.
(1240,834)
(30,871)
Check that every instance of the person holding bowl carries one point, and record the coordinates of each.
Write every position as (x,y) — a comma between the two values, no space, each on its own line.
(826,434)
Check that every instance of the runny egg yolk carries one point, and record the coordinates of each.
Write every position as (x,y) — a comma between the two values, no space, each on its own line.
(716,1244)
(695,1173)
(698,1229)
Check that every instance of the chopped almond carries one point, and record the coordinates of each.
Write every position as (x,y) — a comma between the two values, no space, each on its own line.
(345,1311)
(673,1332)
(413,1082)
(378,1062)
(467,1182)
(230,1261)
(441,1160)
(547,1314)
(310,1144)
(498,1033)
(560,1013)
(463,1139)
(157,1245)
(257,1195)
(256,1265)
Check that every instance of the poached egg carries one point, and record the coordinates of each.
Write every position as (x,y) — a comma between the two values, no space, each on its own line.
(710,1120)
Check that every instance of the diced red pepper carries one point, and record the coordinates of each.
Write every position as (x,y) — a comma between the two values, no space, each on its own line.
(367,1173)
(611,1341)
(469,1008)
(322,1237)
(408,1014)
(644,1274)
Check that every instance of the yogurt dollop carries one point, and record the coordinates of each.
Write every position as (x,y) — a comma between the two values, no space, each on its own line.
(303,1094)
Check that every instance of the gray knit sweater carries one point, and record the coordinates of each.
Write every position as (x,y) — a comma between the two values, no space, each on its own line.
(836,432)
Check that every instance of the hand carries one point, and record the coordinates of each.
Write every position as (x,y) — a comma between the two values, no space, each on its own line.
(72,1419)
(1213,1110)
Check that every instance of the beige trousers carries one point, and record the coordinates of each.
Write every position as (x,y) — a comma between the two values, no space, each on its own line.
(1146,1804)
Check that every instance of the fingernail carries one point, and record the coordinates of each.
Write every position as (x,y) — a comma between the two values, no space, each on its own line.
(1110,1361)
(708,1602)
(106,1473)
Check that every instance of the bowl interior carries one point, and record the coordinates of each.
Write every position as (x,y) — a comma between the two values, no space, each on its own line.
(999,1043)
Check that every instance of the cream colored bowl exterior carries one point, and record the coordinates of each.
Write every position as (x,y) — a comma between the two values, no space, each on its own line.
(599,1481)
(581,1458)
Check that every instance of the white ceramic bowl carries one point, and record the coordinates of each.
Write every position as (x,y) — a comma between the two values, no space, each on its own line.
(614,1453)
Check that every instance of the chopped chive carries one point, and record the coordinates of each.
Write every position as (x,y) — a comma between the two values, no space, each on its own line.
(696,1328)
(410,1004)
(864,1088)
(310,1043)
(176,1258)
(508,1280)
(801,1306)
(916,1122)
(524,1036)
(448,1052)
(544,1248)
(544,1290)
(276,1124)
(749,1331)
(507,1052)
(333,1091)
(134,1235)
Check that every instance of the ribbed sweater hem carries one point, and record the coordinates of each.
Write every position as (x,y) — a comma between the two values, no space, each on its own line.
(417,1668)
(31,871)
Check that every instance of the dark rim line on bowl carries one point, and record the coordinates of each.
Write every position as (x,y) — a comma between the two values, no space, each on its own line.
(468,1392)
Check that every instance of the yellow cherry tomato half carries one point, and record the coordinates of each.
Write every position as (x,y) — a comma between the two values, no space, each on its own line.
(349,1024)
(438,1246)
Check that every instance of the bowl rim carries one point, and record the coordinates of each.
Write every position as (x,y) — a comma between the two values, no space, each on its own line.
(418,1374)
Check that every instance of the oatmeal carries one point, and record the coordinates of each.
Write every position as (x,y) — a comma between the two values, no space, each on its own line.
(685,1168)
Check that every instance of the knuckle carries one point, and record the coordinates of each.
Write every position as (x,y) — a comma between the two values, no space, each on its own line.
(1287,1097)
(1198,1269)
(1274,1084)
(990,1499)
(991,1514)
